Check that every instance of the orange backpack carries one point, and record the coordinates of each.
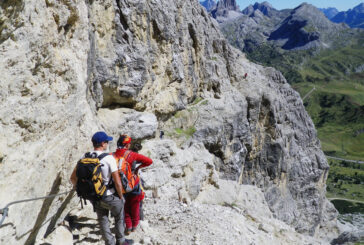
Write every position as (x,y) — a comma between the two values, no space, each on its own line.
(128,179)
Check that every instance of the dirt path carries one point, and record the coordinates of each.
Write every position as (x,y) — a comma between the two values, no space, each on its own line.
(347,160)
(345,199)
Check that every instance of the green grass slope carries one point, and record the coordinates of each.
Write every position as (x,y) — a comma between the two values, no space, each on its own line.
(345,180)
(337,103)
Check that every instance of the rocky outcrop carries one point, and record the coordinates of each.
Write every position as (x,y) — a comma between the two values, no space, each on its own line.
(70,68)
(45,115)
(256,141)
(353,17)
(9,11)
(226,10)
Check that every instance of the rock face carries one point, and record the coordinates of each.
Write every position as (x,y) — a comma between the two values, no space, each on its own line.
(71,68)
(226,10)
(353,17)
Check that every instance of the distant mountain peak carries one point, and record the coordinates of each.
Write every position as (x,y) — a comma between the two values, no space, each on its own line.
(329,12)
(228,5)
(308,11)
(264,7)
(226,10)
(353,17)
(265,3)
(306,5)
(209,4)
(305,27)
(359,8)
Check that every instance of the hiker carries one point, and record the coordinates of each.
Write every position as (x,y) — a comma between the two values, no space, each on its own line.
(161,134)
(136,147)
(134,197)
(112,199)
(245,75)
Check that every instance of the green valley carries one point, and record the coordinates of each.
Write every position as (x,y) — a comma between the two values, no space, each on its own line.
(337,103)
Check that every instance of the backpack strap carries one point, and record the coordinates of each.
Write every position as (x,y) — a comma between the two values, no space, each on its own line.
(119,163)
(94,155)
(102,155)
(126,155)
(111,182)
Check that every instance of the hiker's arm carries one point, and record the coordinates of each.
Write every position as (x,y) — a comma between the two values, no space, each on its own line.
(73,177)
(117,182)
(145,161)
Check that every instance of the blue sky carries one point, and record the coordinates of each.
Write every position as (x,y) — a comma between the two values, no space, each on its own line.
(341,5)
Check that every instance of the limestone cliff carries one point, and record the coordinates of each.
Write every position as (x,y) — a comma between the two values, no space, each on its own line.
(70,68)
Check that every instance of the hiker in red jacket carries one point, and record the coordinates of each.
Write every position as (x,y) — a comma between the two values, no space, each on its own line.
(133,198)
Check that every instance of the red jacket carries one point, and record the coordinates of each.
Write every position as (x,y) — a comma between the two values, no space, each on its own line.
(133,156)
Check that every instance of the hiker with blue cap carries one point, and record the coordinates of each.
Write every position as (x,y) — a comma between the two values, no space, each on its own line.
(106,188)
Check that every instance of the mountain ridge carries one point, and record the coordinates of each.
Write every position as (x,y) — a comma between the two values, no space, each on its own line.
(353,17)
(329,12)
(228,10)
(302,28)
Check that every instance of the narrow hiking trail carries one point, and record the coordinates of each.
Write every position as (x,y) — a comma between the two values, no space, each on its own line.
(347,160)
(345,199)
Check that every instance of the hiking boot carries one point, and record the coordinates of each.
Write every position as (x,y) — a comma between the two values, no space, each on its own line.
(127,231)
(134,228)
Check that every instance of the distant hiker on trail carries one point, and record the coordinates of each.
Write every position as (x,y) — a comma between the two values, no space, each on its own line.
(96,178)
(135,194)
(245,75)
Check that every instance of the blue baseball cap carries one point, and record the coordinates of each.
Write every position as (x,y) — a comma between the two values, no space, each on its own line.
(100,137)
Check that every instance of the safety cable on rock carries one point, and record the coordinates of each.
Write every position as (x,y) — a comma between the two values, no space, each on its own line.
(4,211)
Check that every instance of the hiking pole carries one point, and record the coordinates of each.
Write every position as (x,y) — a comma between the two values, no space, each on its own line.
(5,211)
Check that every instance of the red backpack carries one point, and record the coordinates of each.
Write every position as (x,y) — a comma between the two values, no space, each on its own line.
(128,178)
